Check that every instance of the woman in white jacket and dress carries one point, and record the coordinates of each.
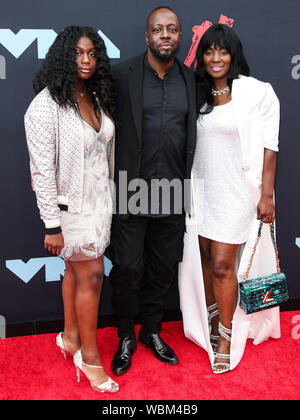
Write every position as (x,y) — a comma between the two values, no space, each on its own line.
(70,136)
(232,188)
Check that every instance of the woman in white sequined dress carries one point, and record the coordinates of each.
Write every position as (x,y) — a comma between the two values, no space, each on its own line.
(232,182)
(70,136)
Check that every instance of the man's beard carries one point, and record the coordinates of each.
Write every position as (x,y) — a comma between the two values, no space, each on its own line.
(166,57)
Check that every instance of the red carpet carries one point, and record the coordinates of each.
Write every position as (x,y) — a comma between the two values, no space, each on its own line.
(32,368)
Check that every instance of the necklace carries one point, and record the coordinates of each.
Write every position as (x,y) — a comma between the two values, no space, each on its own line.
(81,94)
(219,92)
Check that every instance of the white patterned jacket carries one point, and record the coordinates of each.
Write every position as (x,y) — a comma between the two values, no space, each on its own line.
(56,154)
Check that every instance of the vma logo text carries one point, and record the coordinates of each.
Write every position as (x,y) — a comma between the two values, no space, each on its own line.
(17,43)
(54,268)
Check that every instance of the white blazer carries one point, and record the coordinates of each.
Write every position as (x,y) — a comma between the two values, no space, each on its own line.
(256,110)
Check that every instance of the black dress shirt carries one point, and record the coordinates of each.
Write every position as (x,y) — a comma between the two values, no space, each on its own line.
(164,130)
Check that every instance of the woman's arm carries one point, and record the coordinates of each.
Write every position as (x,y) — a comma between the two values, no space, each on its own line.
(41,142)
(270,116)
(266,206)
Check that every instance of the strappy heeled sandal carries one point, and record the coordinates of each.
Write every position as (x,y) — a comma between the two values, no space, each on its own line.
(60,344)
(108,386)
(224,332)
(213,338)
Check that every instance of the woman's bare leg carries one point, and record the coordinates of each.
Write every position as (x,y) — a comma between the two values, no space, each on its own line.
(71,336)
(205,250)
(89,281)
(225,285)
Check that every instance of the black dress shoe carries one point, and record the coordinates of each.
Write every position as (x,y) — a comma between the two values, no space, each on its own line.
(161,350)
(121,362)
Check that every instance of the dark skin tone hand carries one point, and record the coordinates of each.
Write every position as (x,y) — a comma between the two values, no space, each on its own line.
(266,207)
(54,243)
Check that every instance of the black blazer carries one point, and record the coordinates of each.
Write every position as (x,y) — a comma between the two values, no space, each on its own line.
(129,91)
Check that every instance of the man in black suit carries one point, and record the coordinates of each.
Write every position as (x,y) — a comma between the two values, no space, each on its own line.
(155,141)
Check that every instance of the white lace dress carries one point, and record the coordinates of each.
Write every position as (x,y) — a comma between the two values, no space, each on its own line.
(87,234)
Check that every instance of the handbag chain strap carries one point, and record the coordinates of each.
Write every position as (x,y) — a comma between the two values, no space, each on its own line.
(255,246)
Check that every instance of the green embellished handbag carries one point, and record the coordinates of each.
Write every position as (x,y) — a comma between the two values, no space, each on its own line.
(263,292)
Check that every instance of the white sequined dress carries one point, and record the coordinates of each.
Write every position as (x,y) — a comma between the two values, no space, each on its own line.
(224,206)
(87,234)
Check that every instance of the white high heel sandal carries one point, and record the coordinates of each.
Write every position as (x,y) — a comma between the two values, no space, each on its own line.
(211,315)
(224,332)
(108,386)
(60,344)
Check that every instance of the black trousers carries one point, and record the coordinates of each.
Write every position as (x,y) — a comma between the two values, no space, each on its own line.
(145,252)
